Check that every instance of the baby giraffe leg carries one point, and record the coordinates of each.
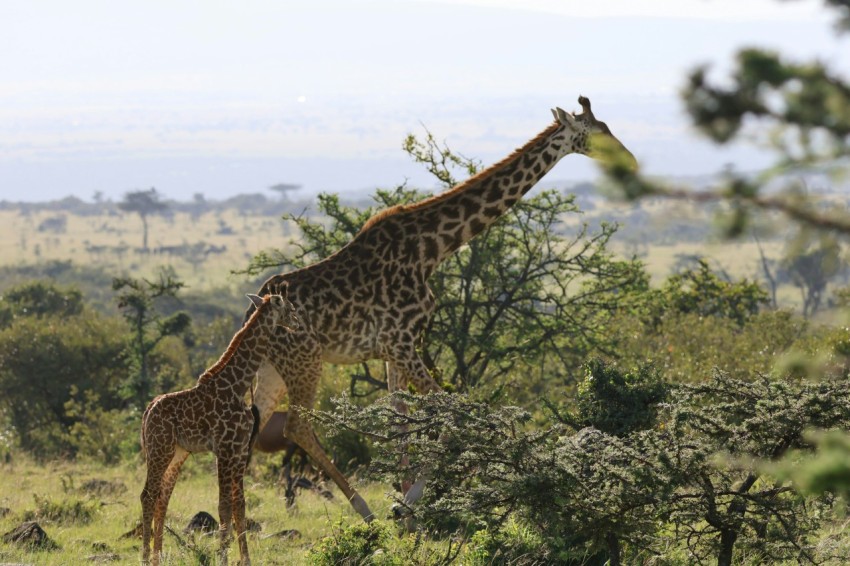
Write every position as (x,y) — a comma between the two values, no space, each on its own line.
(151,495)
(225,516)
(169,479)
(239,520)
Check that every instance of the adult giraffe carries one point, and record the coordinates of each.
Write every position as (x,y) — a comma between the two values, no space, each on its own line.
(370,299)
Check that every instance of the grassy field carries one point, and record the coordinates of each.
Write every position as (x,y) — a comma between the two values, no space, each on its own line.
(89,525)
(224,242)
(231,239)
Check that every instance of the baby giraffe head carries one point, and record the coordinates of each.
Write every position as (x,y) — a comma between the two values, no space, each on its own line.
(583,133)
(281,308)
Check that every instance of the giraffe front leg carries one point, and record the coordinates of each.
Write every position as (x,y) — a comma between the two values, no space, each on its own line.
(397,381)
(406,366)
(238,496)
(225,509)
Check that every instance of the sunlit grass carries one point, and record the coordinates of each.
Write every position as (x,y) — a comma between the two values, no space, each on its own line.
(118,512)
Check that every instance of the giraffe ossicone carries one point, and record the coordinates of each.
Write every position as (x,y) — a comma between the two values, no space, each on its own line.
(213,417)
(371,300)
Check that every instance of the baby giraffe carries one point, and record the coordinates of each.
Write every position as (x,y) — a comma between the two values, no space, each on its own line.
(211,416)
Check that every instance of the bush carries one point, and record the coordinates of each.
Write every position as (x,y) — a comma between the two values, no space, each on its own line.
(42,361)
(512,544)
(355,544)
(106,436)
(618,403)
(686,347)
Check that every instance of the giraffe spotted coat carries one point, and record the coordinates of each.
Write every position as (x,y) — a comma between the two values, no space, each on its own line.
(212,417)
(371,300)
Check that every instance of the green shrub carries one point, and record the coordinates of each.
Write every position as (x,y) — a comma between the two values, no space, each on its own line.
(356,544)
(618,402)
(513,544)
(107,436)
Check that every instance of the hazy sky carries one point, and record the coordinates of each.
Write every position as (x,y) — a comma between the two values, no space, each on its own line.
(225,97)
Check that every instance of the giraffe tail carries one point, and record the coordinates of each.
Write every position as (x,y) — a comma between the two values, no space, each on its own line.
(144,428)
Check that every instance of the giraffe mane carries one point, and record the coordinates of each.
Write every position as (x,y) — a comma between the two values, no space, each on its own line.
(234,344)
(463,185)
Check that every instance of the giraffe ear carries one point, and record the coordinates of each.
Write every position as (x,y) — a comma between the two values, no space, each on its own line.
(255,299)
(564,117)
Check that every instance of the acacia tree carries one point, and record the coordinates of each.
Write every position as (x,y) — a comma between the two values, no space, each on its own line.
(283,189)
(624,477)
(143,203)
(811,265)
(508,299)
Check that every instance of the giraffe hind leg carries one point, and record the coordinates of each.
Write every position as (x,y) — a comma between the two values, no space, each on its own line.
(157,465)
(299,430)
(168,482)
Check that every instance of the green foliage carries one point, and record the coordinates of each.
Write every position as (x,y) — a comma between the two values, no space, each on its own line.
(811,261)
(92,282)
(618,403)
(827,471)
(800,109)
(440,161)
(108,436)
(38,299)
(137,298)
(697,321)
(43,361)
(582,493)
(807,97)
(524,297)
(355,544)
(820,353)
(512,544)
(688,479)
(726,504)
(685,348)
(701,291)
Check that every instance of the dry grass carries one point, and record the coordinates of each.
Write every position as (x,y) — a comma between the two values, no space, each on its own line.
(96,240)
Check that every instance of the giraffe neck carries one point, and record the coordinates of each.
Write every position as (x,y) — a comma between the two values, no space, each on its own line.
(443,223)
(236,368)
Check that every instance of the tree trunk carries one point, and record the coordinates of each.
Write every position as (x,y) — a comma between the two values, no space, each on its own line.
(613,549)
(727,543)
(144,232)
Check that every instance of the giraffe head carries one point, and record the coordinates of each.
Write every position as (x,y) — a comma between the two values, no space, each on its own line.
(584,134)
(282,310)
